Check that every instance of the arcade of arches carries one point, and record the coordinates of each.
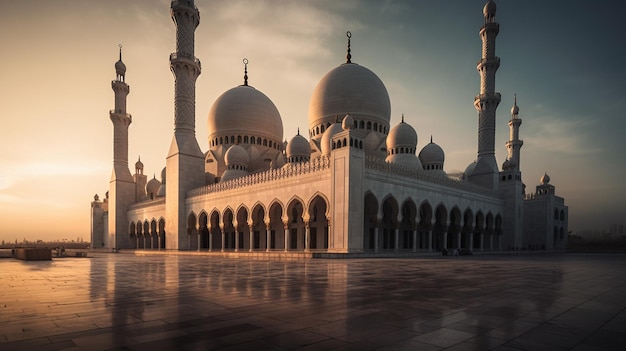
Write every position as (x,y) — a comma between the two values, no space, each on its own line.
(304,226)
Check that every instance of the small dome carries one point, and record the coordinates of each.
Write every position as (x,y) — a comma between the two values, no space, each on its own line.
(515,110)
(545,179)
(432,154)
(349,88)
(237,155)
(245,111)
(161,191)
(298,146)
(152,187)
(509,164)
(139,164)
(490,8)
(402,135)
(327,137)
(469,170)
(120,68)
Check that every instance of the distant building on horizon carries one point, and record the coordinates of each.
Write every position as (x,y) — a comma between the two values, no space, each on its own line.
(357,185)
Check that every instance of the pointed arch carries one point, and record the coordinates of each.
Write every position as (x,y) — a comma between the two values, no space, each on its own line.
(370,220)
(408,224)
(274,221)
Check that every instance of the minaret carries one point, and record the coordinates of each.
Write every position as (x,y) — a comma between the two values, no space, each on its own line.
(514,144)
(185,160)
(486,171)
(121,186)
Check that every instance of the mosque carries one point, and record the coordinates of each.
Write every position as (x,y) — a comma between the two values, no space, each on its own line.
(356,187)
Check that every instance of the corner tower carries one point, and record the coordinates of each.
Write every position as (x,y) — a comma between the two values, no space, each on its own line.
(486,171)
(185,161)
(121,185)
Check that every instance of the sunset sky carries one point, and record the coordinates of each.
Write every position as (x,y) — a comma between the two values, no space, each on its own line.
(564,60)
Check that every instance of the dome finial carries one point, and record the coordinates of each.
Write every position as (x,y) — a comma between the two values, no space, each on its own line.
(245,72)
(120,45)
(298,130)
(431,138)
(402,118)
(349,56)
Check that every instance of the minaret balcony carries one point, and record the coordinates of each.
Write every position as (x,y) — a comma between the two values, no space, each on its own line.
(184,58)
(489,61)
(119,113)
(490,26)
(486,97)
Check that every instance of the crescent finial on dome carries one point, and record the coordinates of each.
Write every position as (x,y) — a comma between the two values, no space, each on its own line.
(349,56)
(245,71)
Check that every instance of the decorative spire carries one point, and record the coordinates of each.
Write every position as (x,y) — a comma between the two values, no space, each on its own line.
(402,118)
(515,108)
(120,45)
(245,72)
(298,130)
(431,138)
(349,56)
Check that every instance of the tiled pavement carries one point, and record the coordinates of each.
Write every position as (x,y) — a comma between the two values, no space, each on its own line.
(160,302)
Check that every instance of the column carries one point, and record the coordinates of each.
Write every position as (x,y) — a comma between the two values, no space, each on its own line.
(137,239)
(307,236)
(236,238)
(223,236)
(481,241)
(415,240)
(430,240)
(151,242)
(199,240)
(396,245)
(144,241)
(268,233)
(471,242)
(376,239)
(445,240)
(286,227)
(491,242)
(210,239)
(458,244)
(250,226)
(159,241)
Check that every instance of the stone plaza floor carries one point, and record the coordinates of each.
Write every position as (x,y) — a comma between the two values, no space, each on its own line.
(184,302)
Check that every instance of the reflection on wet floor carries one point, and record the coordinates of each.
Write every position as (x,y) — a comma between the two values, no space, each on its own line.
(115,301)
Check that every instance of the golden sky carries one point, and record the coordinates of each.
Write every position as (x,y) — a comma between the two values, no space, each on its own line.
(58,61)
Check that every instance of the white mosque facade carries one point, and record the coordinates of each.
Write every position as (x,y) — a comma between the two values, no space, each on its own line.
(357,186)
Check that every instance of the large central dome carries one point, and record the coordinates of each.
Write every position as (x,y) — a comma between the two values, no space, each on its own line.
(349,89)
(244,112)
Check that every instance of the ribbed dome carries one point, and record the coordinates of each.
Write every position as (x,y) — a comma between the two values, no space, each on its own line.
(353,89)
(245,111)
(327,138)
(545,179)
(237,155)
(402,135)
(152,187)
(432,153)
(298,146)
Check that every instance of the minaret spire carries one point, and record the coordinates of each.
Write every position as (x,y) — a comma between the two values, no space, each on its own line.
(514,144)
(487,101)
